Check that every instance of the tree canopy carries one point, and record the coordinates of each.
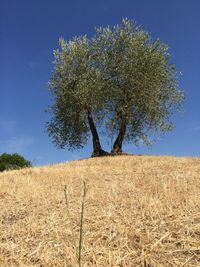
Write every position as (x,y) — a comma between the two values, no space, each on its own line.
(120,80)
(12,162)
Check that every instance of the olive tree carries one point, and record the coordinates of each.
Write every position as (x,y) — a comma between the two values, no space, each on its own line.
(142,82)
(121,80)
(77,104)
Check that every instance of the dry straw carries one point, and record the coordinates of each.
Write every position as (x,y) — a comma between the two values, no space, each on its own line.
(139,211)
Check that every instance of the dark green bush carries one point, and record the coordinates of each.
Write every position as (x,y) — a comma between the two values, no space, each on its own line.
(13,162)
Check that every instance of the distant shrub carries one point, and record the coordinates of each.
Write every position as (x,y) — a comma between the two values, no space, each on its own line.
(13,162)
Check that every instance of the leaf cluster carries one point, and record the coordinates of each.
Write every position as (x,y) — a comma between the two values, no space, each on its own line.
(142,81)
(13,161)
(122,76)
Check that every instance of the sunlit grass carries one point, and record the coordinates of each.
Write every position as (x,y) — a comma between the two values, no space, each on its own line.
(139,211)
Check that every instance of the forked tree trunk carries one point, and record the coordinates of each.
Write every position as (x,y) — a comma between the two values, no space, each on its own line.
(97,149)
(117,147)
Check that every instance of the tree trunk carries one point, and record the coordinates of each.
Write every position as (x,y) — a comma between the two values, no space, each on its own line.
(97,150)
(117,147)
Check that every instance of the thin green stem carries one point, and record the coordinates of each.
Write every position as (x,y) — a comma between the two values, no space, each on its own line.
(81,225)
(70,222)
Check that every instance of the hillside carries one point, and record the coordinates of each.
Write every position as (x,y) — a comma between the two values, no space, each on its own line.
(139,211)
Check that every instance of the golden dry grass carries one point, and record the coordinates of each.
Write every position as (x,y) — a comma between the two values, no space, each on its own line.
(139,211)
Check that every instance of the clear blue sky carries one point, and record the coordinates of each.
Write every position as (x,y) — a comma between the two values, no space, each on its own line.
(29,32)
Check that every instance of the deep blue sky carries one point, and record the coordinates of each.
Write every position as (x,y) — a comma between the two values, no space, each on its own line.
(29,32)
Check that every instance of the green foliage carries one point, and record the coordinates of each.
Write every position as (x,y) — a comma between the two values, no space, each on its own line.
(142,83)
(73,85)
(122,77)
(11,162)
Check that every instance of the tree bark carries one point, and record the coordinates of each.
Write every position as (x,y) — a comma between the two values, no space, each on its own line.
(97,149)
(117,147)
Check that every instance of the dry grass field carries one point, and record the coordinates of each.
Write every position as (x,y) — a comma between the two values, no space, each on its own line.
(139,211)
